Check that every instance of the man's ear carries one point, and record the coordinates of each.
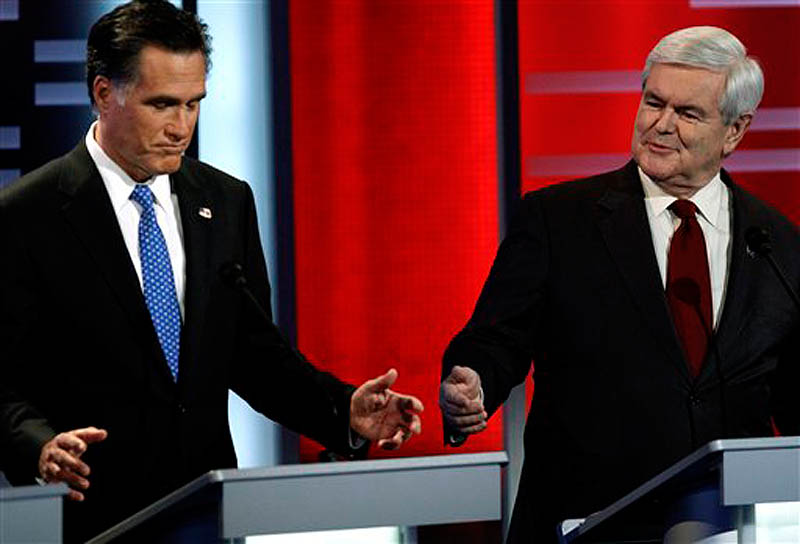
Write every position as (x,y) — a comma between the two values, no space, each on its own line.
(103,91)
(735,133)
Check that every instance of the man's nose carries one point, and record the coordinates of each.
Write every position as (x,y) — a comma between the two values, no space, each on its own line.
(180,125)
(666,121)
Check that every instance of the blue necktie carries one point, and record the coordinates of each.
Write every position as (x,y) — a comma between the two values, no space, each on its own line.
(159,283)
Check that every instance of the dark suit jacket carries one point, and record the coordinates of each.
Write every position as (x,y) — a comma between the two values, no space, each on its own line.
(576,287)
(79,347)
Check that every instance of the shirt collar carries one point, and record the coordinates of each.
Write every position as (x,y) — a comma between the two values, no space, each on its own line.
(708,199)
(119,184)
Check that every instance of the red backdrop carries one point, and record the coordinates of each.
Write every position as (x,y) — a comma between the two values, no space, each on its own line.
(395,182)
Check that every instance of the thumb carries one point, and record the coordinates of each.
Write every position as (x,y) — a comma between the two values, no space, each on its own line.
(382,383)
(461,374)
(91,434)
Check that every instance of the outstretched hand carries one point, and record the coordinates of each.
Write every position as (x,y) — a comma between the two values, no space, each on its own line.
(379,414)
(60,460)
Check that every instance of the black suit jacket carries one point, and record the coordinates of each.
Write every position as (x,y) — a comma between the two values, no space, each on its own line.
(576,287)
(79,347)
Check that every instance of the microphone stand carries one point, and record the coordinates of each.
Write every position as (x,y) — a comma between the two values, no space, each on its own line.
(759,244)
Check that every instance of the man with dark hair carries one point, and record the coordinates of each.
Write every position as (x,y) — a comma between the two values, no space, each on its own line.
(652,330)
(120,337)
(118,37)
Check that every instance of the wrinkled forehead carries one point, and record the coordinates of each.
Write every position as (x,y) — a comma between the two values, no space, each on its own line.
(686,83)
(171,72)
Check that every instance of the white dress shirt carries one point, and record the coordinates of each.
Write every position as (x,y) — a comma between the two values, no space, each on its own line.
(714,217)
(119,186)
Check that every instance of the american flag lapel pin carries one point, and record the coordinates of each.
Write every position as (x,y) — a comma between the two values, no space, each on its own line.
(205,213)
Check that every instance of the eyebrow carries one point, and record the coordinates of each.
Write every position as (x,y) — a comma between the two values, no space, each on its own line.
(172,100)
(680,107)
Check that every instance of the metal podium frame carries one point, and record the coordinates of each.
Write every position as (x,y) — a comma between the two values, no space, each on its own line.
(32,514)
(714,489)
(227,505)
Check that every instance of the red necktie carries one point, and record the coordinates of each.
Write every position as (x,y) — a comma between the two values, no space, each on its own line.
(689,285)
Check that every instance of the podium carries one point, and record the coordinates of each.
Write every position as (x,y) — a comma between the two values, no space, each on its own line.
(227,505)
(31,514)
(713,491)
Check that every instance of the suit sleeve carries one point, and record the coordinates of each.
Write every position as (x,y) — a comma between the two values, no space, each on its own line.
(276,379)
(500,338)
(23,430)
(786,379)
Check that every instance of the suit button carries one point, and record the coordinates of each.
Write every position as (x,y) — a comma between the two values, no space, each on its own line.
(694,401)
(181,408)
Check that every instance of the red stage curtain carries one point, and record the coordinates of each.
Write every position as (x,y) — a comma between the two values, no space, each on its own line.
(395,188)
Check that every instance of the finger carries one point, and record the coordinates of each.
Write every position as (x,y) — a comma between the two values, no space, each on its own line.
(411,404)
(462,374)
(377,402)
(75,495)
(456,403)
(415,426)
(460,392)
(50,471)
(471,407)
(412,421)
(386,444)
(91,435)
(75,481)
(67,461)
(394,442)
(70,442)
(466,421)
(453,395)
(474,428)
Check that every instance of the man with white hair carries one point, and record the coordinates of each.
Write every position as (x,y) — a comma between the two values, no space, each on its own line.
(652,329)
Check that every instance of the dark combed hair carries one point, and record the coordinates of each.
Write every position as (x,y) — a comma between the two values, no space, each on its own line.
(117,38)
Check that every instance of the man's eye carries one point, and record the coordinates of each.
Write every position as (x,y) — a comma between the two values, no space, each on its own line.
(653,103)
(690,115)
(160,105)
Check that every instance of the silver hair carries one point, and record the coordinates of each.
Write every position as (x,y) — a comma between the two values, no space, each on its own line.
(718,50)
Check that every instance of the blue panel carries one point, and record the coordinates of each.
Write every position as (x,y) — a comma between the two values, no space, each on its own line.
(9,138)
(7,176)
(59,51)
(9,10)
(61,94)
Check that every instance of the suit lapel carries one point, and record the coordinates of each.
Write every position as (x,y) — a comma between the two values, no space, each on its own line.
(740,280)
(88,211)
(622,219)
(197,221)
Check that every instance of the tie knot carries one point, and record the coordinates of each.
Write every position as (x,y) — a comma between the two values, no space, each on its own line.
(685,209)
(143,196)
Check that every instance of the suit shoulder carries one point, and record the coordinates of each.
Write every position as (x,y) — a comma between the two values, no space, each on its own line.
(577,198)
(763,214)
(211,175)
(591,187)
(31,186)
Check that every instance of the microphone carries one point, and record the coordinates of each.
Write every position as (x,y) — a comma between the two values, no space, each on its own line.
(688,292)
(232,274)
(759,244)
